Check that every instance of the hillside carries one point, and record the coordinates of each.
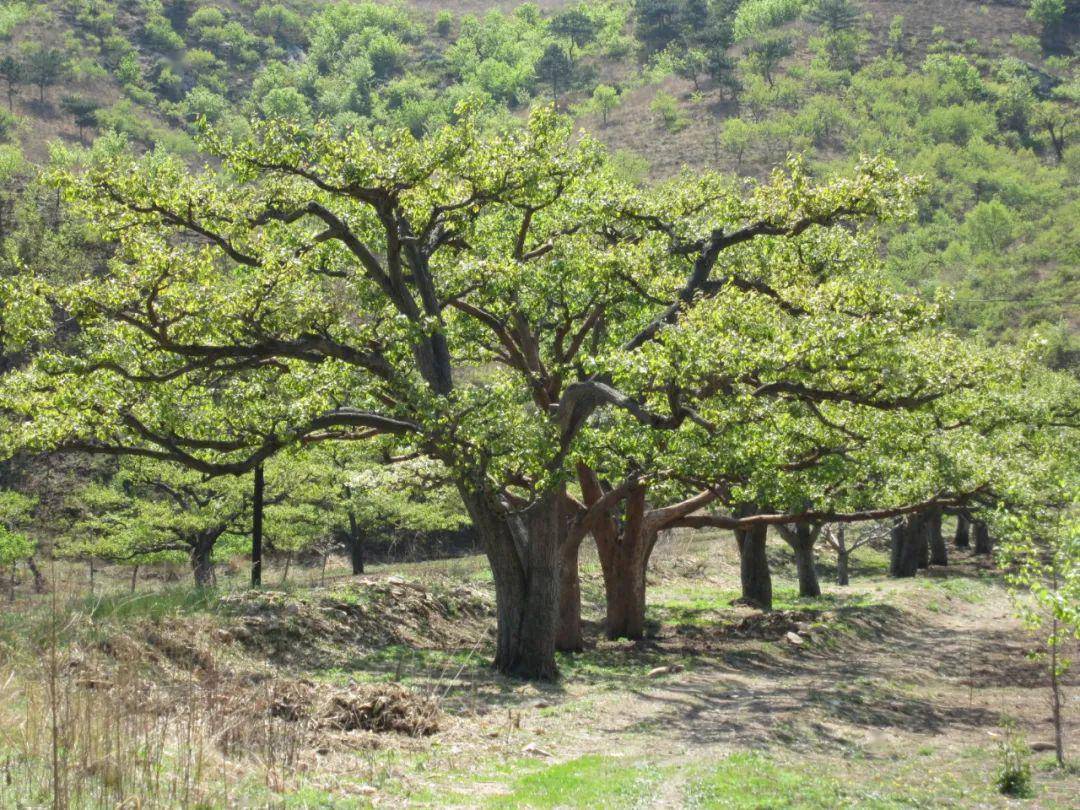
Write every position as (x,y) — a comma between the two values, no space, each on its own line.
(979,98)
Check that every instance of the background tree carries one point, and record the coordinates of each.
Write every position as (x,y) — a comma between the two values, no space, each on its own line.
(605,99)
(16,545)
(13,73)
(574,25)
(82,110)
(555,69)
(45,67)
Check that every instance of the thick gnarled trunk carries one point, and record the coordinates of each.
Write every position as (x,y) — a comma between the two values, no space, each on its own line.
(624,558)
(569,637)
(523,550)
(908,542)
(843,566)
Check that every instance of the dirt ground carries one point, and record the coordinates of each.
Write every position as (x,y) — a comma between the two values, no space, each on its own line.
(882,694)
(902,685)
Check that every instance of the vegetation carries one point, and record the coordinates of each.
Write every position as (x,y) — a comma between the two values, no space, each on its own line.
(281,279)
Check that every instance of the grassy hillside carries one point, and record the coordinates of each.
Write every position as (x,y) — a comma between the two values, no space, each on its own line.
(979,98)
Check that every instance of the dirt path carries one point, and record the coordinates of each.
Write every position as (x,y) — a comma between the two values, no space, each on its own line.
(910,689)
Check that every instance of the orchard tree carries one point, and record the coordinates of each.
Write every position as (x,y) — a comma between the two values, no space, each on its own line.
(16,545)
(45,67)
(157,511)
(480,297)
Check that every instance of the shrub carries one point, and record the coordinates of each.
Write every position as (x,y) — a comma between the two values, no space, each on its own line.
(1014,776)
(666,108)
(443,22)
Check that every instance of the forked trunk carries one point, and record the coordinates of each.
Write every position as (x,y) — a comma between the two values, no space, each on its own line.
(963,532)
(754,567)
(939,552)
(523,551)
(983,544)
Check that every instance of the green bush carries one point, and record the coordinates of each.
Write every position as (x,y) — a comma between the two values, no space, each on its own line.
(666,108)
(1014,776)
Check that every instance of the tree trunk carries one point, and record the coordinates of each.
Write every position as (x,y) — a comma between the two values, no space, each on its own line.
(904,561)
(754,567)
(624,556)
(939,552)
(134,577)
(356,545)
(801,539)
(523,551)
(39,579)
(983,544)
(257,528)
(202,566)
(842,560)
(569,637)
(921,528)
(963,532)
(1055,689)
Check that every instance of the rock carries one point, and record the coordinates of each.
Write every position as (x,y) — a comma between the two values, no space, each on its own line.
(541,704)
(794,638)
(1043,746)
(532,749)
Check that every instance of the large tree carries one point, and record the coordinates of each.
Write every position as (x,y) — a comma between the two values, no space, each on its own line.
(482,296)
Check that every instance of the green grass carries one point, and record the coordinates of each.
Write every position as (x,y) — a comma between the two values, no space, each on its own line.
(589,781)
(750,781)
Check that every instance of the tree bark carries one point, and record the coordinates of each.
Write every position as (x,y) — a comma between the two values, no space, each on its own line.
(939,552)
(569,637)
(754,567)
(983,543)
(356,545)
(921,530)
(963,532)
(624,557)
(801,539)
(523,551)
(202,565)
(842,566)
(906,540)
(134,577)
